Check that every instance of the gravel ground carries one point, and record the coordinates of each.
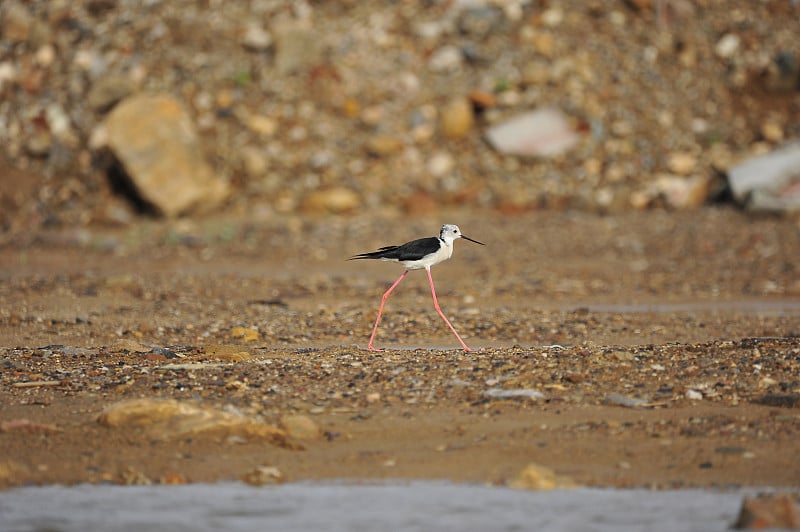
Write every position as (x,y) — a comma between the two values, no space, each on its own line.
(642,349)
(350,106)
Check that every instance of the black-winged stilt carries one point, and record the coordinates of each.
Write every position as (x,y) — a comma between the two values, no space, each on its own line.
(416,255)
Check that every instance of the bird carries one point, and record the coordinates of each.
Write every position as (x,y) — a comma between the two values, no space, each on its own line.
(419,254)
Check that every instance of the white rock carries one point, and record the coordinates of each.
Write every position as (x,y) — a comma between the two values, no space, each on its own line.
(544,132)
(770,182)
(727,45)
(8,73)
(440,164)
(694,395)
(256,38)
(524,393)
(446,59)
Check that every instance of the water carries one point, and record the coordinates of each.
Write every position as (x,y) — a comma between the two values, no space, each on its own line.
(412,506)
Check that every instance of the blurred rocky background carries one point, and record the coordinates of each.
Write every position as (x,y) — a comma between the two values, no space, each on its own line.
(110,109)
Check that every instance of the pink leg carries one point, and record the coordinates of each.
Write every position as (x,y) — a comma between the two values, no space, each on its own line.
(380,310)
(439,310)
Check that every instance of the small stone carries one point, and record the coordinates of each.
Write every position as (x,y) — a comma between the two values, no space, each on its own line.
(440,164)
(300,427)
(263,476)
(544,43)
(457,118)
(133,477)
(12,472)
(382,145)
(553,17)
(16,22)
(264,126)
(247,334)
(769,512)
(694,395)
(25,425)
(8,73)
(235,353)
(681,163)
(537,72)
(781,400)
(108,91)
(372,115)
(45,55)
(296,46)
(522,393)
(626,401)
(254,161)
(173,478)
(482,99)
(334,200)
(58,121)
(256,38)
(446,59)
(727,46)
(539,477)
(39,144)
(479,21)
(131,346)
(772,131)
(682,192)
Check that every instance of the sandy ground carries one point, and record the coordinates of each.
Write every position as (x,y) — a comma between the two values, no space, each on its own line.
(642,349)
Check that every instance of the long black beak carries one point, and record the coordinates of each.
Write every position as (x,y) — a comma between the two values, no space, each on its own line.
(471,240)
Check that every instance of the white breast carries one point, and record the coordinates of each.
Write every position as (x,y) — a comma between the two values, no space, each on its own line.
(444,253)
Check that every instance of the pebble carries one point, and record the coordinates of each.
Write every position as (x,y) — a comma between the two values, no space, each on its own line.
(300,427)
(383,145)
(727,46)
(694,395)
(626,401)
(681,163)
(17,22)
(457,118)
(297,46)
(248,334)
(440,164)
(332,200)
(256,38)
(770,511)
(263,476)
(446,59)
(254,161)
(263,126)
(108,91)
(499,393)
(540,477)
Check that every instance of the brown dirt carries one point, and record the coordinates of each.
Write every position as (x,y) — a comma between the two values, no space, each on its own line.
(696,314)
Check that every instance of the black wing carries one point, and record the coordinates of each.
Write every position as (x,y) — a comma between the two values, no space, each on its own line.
(414,250)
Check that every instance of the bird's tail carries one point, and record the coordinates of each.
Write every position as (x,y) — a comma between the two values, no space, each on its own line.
(382,253)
